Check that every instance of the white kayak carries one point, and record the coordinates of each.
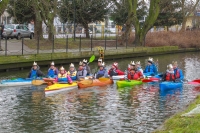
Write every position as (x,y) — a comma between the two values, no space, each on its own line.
(15,82)
(118,77)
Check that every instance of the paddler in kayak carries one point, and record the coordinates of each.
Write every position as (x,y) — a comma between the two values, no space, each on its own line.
(102,71)
(138,67)
(52,71)
(178,73)
(114,71)
(86,67)
(169,75)
(81,73)
(133,74)
(131,65)
(72,70)
(63,76)
(35,72)
(151,68)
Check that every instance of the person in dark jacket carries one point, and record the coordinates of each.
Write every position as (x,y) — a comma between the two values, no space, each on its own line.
(86,67)
(102,71)
(35,72)
(81,73)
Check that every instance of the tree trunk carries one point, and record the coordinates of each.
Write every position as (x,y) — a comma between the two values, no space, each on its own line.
(86,30)
(183,24)
(38,32)
(50,29)
(126,34)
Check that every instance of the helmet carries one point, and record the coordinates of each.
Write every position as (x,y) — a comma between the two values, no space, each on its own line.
(34,63)
(80,63)
(115,64)
(174,63)
(132,63)
(62,68)
(52,63)
(100,60)
(137,62)
(169,66)
(150,60)
(85,61)
(71,65)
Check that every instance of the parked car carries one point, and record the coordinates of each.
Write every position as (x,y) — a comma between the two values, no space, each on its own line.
(17,31)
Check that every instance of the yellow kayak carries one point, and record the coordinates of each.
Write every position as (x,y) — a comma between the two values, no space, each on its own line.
(59,87)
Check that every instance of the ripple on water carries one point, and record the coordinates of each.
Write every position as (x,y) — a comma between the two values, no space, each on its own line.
(98,109)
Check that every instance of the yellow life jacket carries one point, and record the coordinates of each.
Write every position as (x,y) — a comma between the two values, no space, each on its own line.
(62,75)
(72,73)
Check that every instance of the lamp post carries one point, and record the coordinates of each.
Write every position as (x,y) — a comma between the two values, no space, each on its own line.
(74,15)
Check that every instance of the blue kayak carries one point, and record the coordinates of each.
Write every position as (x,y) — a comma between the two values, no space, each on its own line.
(170,85)
(66,80)
(16,82)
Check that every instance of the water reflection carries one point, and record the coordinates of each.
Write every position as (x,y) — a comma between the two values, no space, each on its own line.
(98,109)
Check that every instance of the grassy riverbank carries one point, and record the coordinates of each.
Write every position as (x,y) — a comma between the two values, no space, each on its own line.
(180,124)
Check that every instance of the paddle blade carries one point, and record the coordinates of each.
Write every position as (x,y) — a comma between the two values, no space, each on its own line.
(194,83)
(103,79)
(92,58)
(37,82)
(196,80)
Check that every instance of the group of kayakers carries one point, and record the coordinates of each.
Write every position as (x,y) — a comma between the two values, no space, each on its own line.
(133,72)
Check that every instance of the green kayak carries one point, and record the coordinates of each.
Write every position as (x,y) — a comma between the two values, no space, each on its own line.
(128,83)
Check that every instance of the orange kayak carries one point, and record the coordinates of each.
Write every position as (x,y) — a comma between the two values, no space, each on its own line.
(94,82)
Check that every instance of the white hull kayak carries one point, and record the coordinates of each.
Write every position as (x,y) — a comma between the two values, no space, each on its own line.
(48,93)
(15,83)
(118,77)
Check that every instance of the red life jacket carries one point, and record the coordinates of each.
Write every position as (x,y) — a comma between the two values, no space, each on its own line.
(169,77)
(177,74)
(134,76)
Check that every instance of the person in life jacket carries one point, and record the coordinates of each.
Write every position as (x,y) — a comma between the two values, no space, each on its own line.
(86,67)
(178,73)
(63,76)
(151,67)
(133,74)
(138,67)
(131,65)
(169,75)
(35,72)
(72,70)
(52,71)
(102,71)
(81,73)
(114,71)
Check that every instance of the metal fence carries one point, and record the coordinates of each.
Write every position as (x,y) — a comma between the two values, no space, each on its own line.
(64,41)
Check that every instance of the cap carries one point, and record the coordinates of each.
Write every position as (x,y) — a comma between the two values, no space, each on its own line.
(137,62)
(169,66)
(84,61)
(80,63)
(102,64)
(150,60)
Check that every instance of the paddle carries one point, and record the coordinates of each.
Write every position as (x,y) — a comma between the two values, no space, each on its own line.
(38,82)
(146,80)
(92,58)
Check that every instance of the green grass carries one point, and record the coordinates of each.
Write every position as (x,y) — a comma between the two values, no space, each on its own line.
(179,124)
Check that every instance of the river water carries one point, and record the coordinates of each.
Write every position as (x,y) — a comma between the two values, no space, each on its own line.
(139,109)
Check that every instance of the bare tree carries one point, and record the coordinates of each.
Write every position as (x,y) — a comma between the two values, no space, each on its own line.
(188,7)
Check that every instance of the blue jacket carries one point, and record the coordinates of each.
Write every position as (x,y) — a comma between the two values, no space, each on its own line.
(151,68)
(102,73)
(178,73)
(35,74)
(53,73)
